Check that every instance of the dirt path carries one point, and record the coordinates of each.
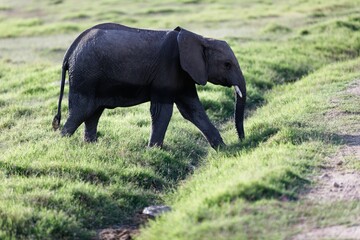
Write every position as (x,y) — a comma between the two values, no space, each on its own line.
(337,182)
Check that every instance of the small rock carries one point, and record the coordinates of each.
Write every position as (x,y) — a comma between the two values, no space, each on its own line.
(335,184)
(325,175)
(155,211)
(191,168)
(339,163)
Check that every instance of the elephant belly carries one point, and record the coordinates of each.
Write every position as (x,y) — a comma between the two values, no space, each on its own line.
(122,96)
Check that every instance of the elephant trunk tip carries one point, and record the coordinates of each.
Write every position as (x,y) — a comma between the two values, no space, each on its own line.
(240,132)
(241,136)
(56,122)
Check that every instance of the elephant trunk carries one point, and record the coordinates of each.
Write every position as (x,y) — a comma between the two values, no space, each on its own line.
(240,94)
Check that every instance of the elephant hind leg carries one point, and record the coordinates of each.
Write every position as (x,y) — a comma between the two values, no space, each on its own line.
(80,108)
(72,123)
(91,126)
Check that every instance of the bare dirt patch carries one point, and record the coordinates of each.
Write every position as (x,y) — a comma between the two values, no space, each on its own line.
(125,232)
(337,182)
(354,88)
(334,232)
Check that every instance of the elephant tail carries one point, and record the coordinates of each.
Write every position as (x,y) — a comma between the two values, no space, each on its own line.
(57,118)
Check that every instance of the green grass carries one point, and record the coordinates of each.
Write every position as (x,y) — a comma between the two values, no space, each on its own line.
(234,195)
(55,187)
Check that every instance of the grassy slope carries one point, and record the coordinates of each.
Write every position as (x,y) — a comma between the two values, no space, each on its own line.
(58,187)
(234,196)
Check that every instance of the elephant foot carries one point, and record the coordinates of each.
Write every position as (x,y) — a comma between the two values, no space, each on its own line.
(90,139)
(218,145)
(155,144)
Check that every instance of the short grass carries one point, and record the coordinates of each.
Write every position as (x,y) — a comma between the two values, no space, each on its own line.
(55,187)
(235,195)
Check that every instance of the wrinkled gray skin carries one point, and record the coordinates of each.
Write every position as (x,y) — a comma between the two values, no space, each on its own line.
(111,65)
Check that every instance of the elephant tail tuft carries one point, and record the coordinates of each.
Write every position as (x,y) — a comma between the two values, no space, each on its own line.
(56,122)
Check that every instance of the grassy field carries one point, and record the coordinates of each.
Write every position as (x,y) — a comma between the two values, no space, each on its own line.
(295,56)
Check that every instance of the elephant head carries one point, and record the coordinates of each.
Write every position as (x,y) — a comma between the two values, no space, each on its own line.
(206,59)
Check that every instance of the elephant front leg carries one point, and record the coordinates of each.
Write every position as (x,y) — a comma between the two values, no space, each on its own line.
(160,116)
(192,110)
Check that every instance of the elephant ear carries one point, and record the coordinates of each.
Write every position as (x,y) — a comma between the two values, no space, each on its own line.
(192,58)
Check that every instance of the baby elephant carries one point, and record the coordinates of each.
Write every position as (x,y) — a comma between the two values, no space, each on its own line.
(111,65)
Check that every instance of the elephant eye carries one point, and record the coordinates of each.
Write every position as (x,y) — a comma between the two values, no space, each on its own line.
(227,65)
